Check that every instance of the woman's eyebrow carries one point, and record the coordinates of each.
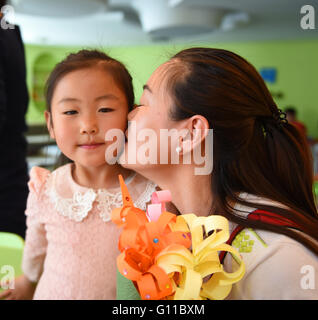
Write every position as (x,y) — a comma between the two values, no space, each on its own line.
(146,87)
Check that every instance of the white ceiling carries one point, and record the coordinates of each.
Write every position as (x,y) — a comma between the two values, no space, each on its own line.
(135,22)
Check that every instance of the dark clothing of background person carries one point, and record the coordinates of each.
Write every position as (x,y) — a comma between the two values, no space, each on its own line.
(13,106)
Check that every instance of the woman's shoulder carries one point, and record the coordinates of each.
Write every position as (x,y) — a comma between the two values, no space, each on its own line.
(256,245)
(275,263)
(276,267)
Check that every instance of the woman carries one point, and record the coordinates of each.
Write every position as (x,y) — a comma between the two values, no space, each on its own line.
(262,173)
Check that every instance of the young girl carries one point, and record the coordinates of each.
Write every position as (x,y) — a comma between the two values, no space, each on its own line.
(71,244)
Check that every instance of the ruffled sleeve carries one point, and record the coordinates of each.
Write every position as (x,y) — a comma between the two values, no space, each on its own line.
(38,177)
(35,241)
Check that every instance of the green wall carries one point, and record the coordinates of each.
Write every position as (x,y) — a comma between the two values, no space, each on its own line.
(296,63)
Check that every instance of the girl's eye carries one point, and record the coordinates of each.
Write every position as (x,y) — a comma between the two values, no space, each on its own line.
(70,112)
(105,110)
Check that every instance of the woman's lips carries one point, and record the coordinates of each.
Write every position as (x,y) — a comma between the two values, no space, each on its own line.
(90,146)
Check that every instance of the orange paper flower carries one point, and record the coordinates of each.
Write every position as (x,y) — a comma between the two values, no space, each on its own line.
(141,241)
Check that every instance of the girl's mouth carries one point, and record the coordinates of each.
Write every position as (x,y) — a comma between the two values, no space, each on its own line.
(90,146)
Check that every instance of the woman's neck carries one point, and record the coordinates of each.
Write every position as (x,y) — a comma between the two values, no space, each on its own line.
(102,177)
(190,193)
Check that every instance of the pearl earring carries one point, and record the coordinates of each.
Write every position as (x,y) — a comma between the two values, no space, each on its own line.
(178,149)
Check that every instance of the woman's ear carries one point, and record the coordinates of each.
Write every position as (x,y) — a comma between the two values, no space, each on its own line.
(49,123)
(198,129)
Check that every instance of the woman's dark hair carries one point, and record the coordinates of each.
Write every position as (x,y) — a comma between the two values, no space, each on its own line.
(253,151)
(87,59)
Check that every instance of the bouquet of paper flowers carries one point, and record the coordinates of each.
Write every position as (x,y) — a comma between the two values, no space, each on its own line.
(173,257)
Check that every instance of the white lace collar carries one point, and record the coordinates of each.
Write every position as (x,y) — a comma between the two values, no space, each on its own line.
(81,203)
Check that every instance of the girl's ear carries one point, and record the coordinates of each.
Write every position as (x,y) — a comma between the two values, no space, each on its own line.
(49,124)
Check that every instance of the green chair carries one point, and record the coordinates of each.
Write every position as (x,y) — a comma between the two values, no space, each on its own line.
(11,252)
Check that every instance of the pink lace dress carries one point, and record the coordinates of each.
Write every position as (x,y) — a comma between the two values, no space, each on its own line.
(71,242)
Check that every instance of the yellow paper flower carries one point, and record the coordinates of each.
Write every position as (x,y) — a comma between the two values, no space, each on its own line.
(201,275)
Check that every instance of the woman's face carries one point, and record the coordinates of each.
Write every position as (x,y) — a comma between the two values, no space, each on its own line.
(148,126)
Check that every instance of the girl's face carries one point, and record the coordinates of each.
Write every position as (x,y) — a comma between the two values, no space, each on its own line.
(152,113)
(85,105)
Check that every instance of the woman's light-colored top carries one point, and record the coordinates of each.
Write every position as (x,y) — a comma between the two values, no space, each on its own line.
(71,243)
(277,267)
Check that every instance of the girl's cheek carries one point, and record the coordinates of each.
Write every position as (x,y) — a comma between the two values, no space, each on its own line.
(65,130)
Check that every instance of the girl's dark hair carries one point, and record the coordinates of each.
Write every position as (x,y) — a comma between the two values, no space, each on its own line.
(87,59)
(253,152)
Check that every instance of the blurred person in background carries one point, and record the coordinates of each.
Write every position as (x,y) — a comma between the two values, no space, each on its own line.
(291,114)
(13,106)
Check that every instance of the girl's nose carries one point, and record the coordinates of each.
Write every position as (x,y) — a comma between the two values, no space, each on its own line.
(89,126)
(89,131)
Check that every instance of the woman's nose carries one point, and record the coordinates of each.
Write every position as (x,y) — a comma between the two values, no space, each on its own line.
(131,114)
